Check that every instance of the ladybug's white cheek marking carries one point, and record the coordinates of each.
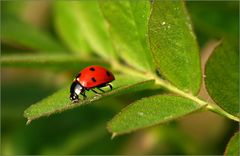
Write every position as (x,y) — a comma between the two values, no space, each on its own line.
(77,91)
(77,79)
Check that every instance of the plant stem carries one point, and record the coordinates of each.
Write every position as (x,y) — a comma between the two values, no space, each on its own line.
(215,108)
(174,89)
(165,84)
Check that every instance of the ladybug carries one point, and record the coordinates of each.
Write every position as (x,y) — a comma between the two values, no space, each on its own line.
(90,78)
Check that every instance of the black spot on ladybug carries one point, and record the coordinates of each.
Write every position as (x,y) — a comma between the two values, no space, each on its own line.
(92,69)
(93,79)
(108,74)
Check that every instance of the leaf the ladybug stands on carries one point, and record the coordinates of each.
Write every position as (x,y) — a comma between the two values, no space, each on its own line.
(60,101)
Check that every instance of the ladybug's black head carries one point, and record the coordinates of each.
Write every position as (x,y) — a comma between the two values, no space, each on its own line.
(75,90)
(74,97)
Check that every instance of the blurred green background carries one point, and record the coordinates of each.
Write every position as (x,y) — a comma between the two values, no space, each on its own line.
(83,130)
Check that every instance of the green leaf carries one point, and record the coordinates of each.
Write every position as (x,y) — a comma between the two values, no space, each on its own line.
(81,24)
(128,28)
(211,23)
(16,31)
(62,61)
(68,26)
(222,77)
(233,146)
(59,101)
(174,45)
(94,28)
(150,111)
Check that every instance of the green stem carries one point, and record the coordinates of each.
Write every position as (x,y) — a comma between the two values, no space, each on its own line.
(174,89)
(165,84)
(215,108)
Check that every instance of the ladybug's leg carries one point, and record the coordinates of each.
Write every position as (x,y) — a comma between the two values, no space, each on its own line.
(95,91)
(84,95)
(100,89)
(110,86)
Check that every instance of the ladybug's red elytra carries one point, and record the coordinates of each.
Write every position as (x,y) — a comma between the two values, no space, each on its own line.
(90,78)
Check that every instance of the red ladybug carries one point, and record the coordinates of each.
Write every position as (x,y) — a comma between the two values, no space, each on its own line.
(89,78)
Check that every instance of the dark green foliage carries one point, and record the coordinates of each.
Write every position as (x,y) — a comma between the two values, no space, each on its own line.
(222,77)
(150,47)
(15,31)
